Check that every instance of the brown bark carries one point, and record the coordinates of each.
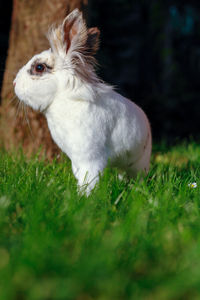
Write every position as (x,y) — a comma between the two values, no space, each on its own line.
(30,22)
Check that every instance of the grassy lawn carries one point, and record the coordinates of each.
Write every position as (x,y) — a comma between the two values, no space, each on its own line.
(127,240)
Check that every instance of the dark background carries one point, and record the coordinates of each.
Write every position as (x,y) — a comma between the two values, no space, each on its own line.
(150,50)
(5,19)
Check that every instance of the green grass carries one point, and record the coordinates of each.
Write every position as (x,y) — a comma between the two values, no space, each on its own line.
(127,240)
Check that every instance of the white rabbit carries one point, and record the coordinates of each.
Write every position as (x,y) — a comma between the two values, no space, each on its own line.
(87,119)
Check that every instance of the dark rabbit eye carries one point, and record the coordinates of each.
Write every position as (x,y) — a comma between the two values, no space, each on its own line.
(39,68)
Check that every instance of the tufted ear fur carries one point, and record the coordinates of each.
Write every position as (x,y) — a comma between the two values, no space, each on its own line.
(72,36)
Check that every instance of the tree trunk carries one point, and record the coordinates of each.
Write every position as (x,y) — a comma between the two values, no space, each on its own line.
(30,22)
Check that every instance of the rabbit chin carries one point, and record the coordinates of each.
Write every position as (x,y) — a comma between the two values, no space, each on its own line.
(38,94)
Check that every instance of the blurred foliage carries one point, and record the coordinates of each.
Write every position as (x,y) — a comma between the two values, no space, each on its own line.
(130,239)
(150,51)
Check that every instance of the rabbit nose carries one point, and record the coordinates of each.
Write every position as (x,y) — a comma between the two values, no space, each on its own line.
(14,83)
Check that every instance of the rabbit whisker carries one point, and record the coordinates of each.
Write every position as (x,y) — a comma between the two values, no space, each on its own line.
(11,100)
(18,106)
(27,120)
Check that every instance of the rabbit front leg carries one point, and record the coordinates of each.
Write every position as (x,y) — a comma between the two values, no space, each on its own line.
(87,174)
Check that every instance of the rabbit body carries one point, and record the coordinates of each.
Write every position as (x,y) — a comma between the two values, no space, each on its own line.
(88,120)
(110,129)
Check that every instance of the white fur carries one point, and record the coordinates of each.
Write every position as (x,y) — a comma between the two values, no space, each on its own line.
(87,119)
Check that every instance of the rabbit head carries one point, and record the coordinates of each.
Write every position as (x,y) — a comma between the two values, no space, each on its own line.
(68,63)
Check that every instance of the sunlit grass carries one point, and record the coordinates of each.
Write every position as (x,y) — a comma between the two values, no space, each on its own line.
(127,240)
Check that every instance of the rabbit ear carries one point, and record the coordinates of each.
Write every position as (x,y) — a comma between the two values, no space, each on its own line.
(92,43)
(74,31)
(70,36)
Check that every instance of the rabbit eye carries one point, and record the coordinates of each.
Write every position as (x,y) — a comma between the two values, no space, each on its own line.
(39,68)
